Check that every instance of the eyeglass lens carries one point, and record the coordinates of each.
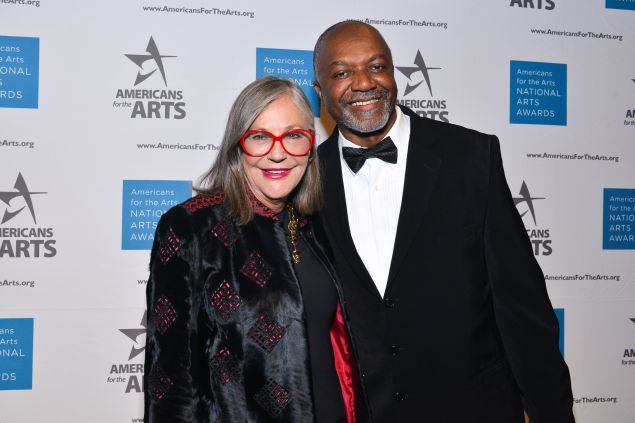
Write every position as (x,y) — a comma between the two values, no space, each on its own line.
(296,142)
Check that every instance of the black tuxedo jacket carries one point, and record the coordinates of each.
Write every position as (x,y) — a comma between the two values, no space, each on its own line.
(465,330)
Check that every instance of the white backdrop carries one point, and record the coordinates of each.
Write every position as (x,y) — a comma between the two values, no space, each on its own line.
(82,182)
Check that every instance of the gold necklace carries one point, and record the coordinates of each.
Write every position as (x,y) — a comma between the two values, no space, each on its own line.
(293,234)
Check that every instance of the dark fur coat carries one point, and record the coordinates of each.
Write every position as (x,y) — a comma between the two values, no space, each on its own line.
(227,337)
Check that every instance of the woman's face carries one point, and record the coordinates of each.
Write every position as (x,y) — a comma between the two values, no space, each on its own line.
(273,176)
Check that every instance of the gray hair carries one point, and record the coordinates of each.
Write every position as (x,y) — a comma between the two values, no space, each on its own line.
(227,173)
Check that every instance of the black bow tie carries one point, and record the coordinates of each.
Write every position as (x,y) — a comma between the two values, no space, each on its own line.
(384,150)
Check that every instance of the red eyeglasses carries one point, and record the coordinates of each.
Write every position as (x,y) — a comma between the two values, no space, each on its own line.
(296,142)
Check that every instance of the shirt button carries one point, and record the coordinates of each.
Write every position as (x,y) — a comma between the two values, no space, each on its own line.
(400,396)
(394,350)
(390,302)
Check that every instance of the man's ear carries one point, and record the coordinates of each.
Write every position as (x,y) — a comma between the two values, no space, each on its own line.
(318,89)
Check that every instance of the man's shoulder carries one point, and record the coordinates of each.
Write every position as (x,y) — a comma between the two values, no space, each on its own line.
(448,137)
(433,126)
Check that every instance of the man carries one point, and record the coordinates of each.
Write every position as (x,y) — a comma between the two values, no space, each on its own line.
(448,307)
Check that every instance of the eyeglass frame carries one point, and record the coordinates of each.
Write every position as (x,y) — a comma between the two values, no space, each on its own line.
(279,139)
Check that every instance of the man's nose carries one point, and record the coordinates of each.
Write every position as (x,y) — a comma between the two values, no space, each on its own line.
(363,81)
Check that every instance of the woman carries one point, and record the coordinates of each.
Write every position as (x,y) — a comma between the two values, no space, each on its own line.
(244,322)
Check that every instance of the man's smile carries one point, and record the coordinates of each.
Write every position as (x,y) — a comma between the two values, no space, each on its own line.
(364,102)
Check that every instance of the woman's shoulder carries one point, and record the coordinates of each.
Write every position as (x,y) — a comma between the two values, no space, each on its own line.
(197,212)
(202,201)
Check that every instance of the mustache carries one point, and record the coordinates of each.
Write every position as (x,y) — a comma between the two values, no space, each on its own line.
(365,96)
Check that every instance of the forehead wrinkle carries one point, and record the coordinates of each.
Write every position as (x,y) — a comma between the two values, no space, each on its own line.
(378,56)
(341,62)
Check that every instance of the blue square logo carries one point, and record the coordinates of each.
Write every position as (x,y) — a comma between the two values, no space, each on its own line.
(538,93)
(19,72)
(620,4)
(16,354)
(618,219)
(560,316)
(295,65)
(144,202)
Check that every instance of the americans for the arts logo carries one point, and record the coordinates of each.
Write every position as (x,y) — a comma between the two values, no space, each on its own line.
(20,190)
(540,237)
(410,72)
(154,57)
(19,241)
(423,102)
(153,99)
(130,374)
(138,346)
(533,4)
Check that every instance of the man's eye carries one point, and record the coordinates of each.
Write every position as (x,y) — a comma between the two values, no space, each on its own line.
(340,75)
(377,67)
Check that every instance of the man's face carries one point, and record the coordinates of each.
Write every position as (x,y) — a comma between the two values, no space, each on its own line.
(356,81)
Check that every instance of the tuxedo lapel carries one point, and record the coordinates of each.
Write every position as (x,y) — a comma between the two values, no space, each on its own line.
(422,167)
(336,214)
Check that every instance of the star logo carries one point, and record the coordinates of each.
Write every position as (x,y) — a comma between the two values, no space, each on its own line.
(410,71)
(154,56)
(525,197)
(21,190)
(134,334)
(633,320)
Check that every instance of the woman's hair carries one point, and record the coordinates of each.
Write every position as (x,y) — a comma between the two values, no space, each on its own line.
(227,174)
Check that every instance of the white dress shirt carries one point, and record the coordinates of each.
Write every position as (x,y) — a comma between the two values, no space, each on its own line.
(373,202)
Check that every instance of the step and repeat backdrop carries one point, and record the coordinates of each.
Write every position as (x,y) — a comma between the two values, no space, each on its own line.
(110,110)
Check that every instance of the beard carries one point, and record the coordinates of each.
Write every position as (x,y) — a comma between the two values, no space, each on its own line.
(365,122)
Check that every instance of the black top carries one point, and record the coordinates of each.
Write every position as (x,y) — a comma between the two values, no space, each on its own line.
(320,304)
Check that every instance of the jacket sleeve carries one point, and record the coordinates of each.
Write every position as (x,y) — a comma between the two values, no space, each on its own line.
(524,315)
(172,354)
